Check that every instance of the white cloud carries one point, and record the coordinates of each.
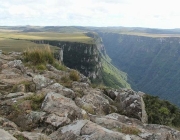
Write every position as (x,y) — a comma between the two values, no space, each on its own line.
(141,13)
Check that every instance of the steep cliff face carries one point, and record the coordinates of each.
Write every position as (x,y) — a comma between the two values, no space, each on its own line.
(111,76)
(91,60)
(152,63)
(83,57)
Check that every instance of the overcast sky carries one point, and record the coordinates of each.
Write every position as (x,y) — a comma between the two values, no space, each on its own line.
(128,13)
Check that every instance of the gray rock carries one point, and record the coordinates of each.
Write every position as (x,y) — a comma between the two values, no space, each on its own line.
(56,87)
(93,102)
(130,103)
(84,129)
(41,81)
(17,64)
(61,106)
(4,135)
(34,136)
(7,124)
(56,121)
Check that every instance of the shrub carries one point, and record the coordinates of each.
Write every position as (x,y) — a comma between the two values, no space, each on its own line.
(74,75)
(161,111)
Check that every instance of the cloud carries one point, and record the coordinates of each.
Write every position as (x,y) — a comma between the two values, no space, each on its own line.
(145,13)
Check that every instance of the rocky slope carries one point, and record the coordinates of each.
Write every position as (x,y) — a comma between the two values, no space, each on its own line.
(40,105)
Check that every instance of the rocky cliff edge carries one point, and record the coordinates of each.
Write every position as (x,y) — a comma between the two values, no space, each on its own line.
(41,105)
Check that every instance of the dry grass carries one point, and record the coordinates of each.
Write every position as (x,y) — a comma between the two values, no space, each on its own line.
(39,55)
(129,130)
(74,75)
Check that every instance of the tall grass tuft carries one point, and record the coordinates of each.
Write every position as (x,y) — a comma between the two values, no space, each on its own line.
(74,75)
(39,55)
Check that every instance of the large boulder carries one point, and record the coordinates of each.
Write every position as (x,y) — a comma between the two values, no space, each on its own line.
(94,102)
(128,102)
(63,110)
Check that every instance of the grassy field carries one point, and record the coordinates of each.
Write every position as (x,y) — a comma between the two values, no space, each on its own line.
(72,37)
(8,45)
(150,35)
(11,40)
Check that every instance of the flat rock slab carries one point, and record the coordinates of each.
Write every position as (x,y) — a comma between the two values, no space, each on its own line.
(4,135)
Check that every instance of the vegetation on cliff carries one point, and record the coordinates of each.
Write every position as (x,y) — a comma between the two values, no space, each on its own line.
(161,111)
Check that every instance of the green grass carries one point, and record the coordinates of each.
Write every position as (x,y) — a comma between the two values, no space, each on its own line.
(20,41)
(36,101)
(8,45)
(112,77)
(71,37)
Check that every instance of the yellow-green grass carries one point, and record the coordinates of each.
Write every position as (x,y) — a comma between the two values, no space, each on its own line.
(8,45)
(71,37)
(150,35)
(114,77)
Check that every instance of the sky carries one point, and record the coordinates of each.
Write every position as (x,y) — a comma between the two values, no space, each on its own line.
(101,13)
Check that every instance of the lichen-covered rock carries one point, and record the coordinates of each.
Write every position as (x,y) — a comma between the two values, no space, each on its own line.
(94,102)
(114,121)
(84,129)
(56,121)
(61,106)
(57,88)
(41,81)
(128,102)
(17,64)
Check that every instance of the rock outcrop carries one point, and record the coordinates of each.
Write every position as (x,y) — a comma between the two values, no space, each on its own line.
(36,105)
